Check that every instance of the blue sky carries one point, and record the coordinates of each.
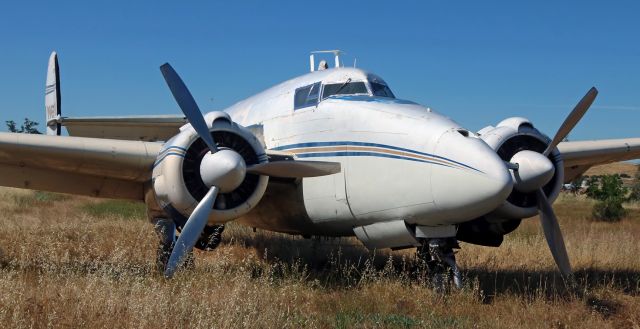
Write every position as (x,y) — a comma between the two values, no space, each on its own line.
(477,62)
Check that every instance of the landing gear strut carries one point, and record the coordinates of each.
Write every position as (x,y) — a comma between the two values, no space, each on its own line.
(210,238)
(438,254)
(166,231)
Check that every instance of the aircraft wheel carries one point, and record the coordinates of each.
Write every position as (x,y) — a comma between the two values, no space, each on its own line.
(441,262)
(210,238)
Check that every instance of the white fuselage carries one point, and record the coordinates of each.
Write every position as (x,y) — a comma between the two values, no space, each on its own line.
(400,160)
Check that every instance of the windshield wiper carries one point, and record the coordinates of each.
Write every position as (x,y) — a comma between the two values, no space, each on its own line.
(341,87)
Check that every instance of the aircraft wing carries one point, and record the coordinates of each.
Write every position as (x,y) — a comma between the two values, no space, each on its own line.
(137,128)
(579,156)
(86,166)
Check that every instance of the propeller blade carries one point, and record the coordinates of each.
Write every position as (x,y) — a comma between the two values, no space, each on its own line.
(553,234)
(187,104)
(573,118)
(295,169)
(191,232)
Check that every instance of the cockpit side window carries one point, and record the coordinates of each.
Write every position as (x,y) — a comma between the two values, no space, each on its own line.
(381,90)
(306,96)
(344,88)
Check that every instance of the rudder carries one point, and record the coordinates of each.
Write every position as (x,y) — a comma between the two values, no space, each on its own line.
(52,101)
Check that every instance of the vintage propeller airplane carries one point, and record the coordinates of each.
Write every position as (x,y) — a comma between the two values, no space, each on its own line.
(329,153)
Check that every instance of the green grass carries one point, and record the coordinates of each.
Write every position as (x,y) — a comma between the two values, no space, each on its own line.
(350,319)
(36,199)
(115,208)
(42,196)
(355,318)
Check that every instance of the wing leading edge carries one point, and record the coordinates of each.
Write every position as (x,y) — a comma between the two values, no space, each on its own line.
(579,156)
(86,166)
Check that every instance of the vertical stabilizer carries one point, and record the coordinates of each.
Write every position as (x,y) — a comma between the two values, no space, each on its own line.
(52,102)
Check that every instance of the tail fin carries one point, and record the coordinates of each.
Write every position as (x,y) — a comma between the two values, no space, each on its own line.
(52,101)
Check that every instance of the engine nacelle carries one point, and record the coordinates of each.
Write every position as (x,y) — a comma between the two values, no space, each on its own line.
(508,138)
(178,184)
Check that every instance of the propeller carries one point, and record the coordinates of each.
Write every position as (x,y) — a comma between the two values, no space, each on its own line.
(572,119)
(553,234)
(532,171)
(191,232)
(187,104)
(222,170)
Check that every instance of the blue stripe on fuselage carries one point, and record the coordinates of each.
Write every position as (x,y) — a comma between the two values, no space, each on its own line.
(347,143)
(372,154)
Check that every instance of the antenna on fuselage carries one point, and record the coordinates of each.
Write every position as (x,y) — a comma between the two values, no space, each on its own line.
(336,54)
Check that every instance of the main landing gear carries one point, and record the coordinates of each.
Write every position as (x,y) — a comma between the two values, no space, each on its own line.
(439,256)
(166,231)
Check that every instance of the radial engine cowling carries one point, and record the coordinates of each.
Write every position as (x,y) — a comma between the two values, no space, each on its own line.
(177,179)
(508,138)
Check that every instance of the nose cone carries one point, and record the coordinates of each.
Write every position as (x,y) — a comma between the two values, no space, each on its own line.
(471,181)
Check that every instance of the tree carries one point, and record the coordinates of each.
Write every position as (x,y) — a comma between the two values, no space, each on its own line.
(635,188)
(11,126)
(28,127)
(610,193)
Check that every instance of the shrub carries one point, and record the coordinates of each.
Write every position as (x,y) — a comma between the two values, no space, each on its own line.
(608,211)
(635,187)
(610,193)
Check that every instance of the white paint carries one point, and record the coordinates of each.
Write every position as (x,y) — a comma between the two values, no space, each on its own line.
(403,165)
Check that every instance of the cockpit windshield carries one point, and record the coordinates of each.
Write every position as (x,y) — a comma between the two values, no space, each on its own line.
(381,90)
(344,88)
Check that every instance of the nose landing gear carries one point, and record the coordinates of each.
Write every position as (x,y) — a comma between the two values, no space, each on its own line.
(166,231)
(440,258)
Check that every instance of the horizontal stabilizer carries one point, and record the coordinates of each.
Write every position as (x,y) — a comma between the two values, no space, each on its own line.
(149,128)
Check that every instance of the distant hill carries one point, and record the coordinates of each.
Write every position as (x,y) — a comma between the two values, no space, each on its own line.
(614,168)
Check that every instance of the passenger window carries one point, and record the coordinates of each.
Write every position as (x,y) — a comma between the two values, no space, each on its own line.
(306,96)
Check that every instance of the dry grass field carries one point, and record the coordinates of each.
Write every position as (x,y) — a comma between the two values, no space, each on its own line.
(79,262)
